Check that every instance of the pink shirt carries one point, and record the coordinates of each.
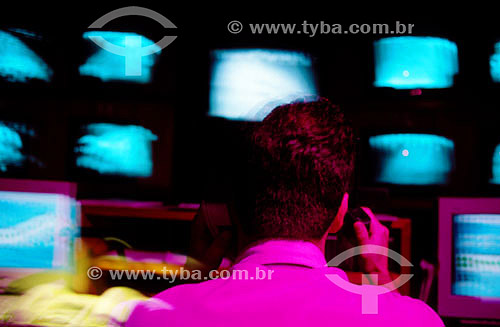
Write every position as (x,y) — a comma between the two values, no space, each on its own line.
(286,285)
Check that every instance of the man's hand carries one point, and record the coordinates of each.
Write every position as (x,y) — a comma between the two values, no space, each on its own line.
(206,252)
(378,235)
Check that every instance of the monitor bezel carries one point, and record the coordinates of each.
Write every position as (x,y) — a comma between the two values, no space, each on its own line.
(458,306)
(64,189)
(38,186)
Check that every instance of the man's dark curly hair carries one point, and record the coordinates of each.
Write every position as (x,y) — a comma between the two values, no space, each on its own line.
(301,160)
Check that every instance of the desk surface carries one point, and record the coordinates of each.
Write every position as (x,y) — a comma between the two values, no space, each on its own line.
(135,209)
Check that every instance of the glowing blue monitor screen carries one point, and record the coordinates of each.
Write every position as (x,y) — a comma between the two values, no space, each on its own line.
(495,167)
(412,159)
(246,84)
(112,149)
(495,64)
(18,63)
(120,56)
(477,255)
(410,62)
(36,230)
(11,145)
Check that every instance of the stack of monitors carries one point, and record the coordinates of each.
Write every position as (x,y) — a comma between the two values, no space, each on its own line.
(116,56)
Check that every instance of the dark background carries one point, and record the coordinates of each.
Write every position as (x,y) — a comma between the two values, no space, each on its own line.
(194,148)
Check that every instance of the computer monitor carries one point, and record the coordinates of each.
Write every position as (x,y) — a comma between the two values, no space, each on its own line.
(120,56)
(11,147)
(469,258)
(246,84)
(410,62)
(16,138)
(495,64)
(38,224)
(495,166)
(18,63)
(411,159)
(115,149)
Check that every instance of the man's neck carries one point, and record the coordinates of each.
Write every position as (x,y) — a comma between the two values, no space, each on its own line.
(243,246)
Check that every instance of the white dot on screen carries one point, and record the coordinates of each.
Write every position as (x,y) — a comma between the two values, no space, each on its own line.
(406,73)
(405,152)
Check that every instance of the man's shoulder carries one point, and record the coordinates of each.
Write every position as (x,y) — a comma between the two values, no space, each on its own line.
(186,291)
(415,311)
(160,309)
(393,308)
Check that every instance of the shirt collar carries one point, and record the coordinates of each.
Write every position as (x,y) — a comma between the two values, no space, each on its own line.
(283,252)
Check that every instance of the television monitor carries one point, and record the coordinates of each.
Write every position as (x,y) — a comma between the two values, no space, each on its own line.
(495,64)
(469,258)
(412,159)
(411,62)
(15,138)
(122,58)
(18,63)
(38,224)
(116,149)
(495,166)
(246,84)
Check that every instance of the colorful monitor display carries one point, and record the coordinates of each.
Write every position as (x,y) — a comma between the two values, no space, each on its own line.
(477,255)
(495,166)
(412,159)
(37,230)
(246,84)
(469,258)
(112,149)
(12,136)
(410,62)
(495,64)
(18,63)
(120,56)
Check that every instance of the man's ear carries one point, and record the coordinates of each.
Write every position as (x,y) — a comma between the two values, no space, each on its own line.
(339,217)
